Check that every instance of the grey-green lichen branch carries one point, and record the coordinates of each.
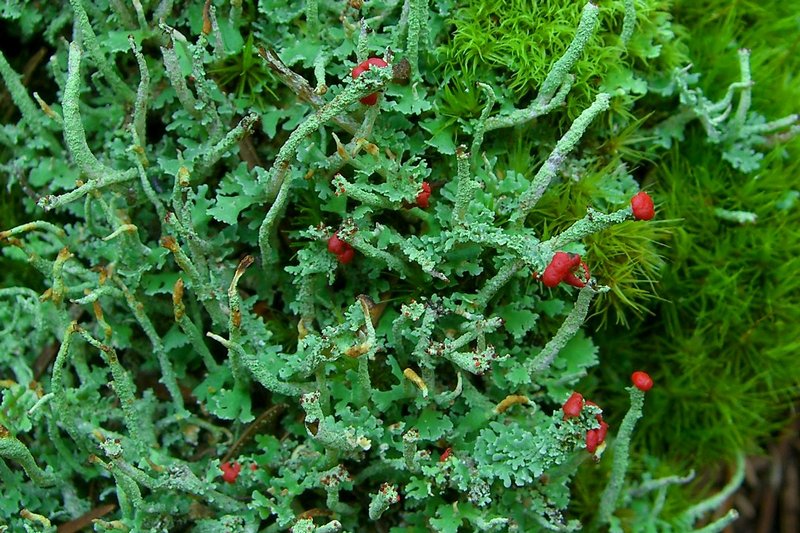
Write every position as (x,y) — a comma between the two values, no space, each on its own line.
(371,81)
(555,160)
(360,193)
(15,450)
(176,476)
(568,329)
(382,500)
(189,327)
(328,432)
(168,377)
(480,125)
(417,19)
(74,134)
(35,225)
(739,134)
(496,282)
(205,292)
(89,40)
(49,202)
(610,497)
(628,22)
(466,187)
(302,89)
(593,222)
(261,371)
(140,430)
(720,524)
(176,78)
(142,94)
(558,82)
(217,150)
(278,185)
(692,514)
(560,70)
(235,323)
(476,361)
(19,95)
(128,493)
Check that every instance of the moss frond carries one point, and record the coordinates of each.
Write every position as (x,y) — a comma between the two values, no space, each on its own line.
(514,43)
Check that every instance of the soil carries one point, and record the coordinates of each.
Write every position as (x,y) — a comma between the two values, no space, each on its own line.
(769,499)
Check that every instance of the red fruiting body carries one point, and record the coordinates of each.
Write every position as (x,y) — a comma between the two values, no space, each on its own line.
(370,99)
(230,471)
(551,277)
(336,245)
(253,467)
(573,406)
(365,65)
(592,440)
(563,262)
(602,431)
(572,279)
(574,260)
(642,206)
(642,381)
(424,196)
(445,454)
(347,255)
(343,251)
(560,269)
(595,437)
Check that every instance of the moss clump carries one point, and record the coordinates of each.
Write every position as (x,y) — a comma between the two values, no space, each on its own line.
(727,328)
(513,42)
(723,337)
